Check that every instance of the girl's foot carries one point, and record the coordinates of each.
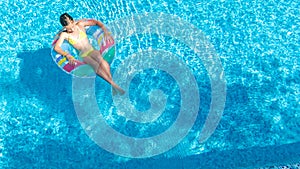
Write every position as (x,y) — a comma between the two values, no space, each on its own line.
(121,91)
(118,90)
(114,91)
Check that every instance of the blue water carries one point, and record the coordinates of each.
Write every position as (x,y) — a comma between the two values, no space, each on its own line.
(256,42)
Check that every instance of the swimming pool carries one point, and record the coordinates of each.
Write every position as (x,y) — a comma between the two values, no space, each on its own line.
(257,44)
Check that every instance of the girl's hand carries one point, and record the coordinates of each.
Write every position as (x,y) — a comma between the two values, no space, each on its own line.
(71,59)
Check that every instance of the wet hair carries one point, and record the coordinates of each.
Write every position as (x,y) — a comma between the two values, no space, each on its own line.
(64,19)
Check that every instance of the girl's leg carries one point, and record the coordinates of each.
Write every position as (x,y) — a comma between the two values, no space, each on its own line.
(102,68)
(98,57)
(106,68)
(108,78)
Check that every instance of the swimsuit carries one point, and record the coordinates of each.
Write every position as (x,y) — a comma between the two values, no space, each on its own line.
(81,36)
(87,53)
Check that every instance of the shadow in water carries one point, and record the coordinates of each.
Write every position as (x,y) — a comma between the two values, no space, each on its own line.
(48,134)
(41,78)
(40,75)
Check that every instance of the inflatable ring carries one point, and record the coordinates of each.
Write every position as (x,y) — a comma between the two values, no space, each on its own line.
(81,69)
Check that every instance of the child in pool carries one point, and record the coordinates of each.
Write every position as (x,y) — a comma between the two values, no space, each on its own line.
(76,35)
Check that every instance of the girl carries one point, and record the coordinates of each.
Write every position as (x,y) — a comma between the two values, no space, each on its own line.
(75,34)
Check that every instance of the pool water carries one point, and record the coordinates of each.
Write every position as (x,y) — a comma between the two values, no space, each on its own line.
(257,44)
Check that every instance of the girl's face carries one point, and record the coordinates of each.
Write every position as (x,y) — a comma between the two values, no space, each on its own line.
(71,26)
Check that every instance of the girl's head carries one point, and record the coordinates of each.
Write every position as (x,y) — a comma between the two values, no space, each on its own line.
(67,21)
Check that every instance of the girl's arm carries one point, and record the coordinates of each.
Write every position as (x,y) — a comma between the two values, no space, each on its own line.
(91,22)
(59,50)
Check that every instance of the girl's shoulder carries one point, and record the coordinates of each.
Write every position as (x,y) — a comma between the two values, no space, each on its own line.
(63,34)
(81,22)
